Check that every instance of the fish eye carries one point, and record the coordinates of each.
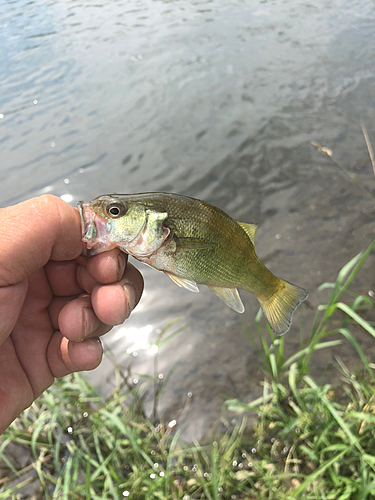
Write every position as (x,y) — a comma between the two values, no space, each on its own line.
(115,210)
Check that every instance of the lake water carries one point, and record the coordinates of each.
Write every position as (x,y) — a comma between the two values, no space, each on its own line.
(217,100)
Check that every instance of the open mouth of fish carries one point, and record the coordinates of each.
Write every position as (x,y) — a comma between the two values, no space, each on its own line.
(95,233)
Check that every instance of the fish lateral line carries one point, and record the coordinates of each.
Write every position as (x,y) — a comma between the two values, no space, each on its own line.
(186,244)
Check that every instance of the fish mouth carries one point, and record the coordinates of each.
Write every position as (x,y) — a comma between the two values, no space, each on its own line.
(95,233)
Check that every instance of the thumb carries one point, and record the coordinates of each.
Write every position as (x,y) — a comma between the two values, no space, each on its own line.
(35,231)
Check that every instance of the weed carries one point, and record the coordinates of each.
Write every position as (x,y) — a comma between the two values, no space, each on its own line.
(310,440)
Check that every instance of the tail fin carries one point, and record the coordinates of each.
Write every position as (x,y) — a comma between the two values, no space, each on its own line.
(280,307)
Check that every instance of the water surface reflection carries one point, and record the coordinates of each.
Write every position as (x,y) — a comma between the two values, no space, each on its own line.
(217,101)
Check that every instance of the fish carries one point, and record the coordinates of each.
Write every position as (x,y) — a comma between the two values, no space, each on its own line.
(192,242)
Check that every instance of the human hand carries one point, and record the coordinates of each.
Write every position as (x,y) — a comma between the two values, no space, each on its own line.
(54,305)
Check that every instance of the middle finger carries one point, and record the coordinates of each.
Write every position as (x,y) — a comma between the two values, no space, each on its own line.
(77,320)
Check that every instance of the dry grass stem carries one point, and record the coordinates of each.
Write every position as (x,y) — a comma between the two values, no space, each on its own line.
(368,144)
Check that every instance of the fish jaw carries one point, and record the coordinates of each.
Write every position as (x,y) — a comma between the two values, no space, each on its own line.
(99,234)
(96,231)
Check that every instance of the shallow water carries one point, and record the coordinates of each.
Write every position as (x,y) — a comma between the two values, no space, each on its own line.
(215,100)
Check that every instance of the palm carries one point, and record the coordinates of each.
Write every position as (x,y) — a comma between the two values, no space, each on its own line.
(52,320)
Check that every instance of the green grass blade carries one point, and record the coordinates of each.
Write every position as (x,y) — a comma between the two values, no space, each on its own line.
(293,372)
(336,416)
(348,335)
(357,318)
(358,261)
(318,472)
(127,432)
(309,350)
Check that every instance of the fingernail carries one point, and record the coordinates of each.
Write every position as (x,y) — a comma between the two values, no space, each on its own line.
(130,297)
(85,322)
(90,323)
(121,261)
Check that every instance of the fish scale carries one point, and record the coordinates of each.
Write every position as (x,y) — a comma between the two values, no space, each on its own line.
(193,242)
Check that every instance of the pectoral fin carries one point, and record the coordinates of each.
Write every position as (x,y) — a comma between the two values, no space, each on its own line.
(187,244)
(183,282)
(230,296)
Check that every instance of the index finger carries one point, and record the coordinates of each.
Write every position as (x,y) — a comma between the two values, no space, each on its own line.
(74,276)
(106,267)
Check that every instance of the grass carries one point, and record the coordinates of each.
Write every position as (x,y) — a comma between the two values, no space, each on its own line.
(310,440)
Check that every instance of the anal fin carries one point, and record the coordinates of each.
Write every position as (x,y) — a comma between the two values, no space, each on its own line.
(230,296)
(183,282)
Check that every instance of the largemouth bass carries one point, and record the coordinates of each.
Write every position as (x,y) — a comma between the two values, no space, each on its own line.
(193,243)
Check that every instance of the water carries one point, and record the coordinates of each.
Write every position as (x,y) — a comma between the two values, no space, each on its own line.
(216,100)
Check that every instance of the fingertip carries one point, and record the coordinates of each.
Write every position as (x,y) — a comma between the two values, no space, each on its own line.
(85,355)
(107,267)
(65,356)
(72,321)
(111,303)
(133,278)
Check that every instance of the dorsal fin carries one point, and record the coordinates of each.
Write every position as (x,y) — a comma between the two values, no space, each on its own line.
(250,229)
